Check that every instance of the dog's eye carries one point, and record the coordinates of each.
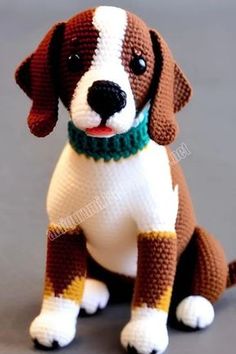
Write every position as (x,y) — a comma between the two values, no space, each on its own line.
(138,64)
(74,62)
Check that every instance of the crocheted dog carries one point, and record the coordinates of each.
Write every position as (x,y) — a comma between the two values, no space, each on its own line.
(119,208)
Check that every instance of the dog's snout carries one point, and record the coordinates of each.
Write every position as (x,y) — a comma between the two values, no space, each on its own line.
(106,98)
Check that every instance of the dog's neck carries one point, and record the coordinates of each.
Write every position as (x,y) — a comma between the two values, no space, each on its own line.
(116,147)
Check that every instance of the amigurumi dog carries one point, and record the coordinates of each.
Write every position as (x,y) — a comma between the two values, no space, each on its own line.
(120,214)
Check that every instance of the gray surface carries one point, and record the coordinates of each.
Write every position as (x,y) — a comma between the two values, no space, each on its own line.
(202,36)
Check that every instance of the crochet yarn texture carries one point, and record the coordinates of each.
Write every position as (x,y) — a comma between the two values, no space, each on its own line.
(116,147)
(126,209)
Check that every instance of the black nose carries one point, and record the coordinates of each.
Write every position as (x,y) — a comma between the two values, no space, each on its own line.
(106,98)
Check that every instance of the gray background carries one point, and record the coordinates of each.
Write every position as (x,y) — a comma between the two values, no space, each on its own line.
(202,36)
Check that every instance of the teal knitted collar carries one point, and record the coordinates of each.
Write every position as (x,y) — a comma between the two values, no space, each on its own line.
(116,147)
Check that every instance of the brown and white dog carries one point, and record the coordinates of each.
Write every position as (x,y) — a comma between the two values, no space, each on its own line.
(122,88)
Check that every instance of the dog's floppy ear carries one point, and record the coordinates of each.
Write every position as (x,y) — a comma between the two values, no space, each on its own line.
(37,78)
(22,75)
(182,89)
(170,92)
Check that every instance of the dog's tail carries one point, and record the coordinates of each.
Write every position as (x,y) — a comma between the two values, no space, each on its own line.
(231,280)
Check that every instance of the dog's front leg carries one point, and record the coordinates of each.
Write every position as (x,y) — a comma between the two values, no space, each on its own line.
(146,331)
(65,273)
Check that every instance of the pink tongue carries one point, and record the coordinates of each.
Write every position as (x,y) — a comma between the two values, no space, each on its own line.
(99,130)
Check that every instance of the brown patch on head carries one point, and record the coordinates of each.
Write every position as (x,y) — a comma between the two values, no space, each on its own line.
(138,42)
(44,75)
(163,83)
(80,38)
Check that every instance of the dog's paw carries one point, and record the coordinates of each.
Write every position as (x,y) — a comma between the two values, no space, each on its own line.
(55,326)
(95,296)
(145,335)
(195,312)
(48,329)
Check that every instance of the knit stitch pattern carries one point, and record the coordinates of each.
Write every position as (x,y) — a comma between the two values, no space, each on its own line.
(116,147)
(120,213)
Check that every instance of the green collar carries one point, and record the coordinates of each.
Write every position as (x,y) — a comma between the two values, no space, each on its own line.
(116,147)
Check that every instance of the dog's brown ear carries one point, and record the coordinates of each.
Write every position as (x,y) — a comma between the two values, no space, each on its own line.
(170,92)
(22,76)
(182,89)
(37,77)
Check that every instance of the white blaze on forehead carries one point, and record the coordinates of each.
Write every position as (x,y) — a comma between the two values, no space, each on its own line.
(111,22)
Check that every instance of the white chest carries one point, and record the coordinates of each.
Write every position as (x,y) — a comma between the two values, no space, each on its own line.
(114,201)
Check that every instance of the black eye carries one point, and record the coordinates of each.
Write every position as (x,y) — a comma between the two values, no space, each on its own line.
(138,64)
(74,62)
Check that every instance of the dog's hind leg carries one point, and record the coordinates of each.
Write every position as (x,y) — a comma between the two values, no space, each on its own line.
(209,270)
(95,296)
(102,285)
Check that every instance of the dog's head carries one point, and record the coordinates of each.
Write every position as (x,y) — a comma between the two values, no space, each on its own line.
(105,64)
